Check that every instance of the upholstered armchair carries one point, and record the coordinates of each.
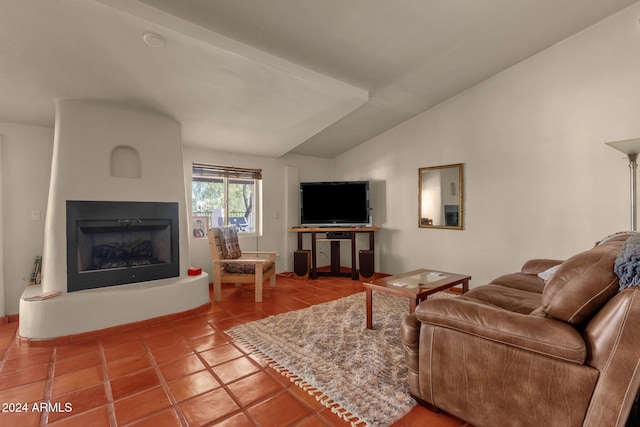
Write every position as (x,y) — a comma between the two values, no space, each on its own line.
(524,352)
(231,265)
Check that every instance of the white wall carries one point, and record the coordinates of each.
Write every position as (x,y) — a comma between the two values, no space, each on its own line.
(26,168)
(539,180)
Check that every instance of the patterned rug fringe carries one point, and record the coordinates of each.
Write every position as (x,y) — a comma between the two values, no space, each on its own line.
(335,407)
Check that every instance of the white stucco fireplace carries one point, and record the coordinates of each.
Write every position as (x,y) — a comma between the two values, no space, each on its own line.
(105,155)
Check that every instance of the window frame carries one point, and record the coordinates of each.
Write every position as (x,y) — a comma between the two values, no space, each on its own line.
(227,175)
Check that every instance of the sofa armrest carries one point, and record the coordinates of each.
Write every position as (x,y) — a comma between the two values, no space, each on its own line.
(537,334)
(535,266)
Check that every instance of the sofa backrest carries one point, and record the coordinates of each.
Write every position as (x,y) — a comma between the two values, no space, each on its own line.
(583,283)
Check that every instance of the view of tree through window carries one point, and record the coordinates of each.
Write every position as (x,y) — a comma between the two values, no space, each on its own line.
(226,196)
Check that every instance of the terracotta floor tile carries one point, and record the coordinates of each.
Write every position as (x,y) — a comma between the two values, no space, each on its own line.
(227,324)
(254,387)
(132,384)
(193,385)
(283,380)
(193,322)
(32,392)
(208,407)
(25,351)
(98,417)
(193,326)
(79,401)
(420,416)
(118,351)
(156,330)
(76,380)
(221,354)
(246,318)
(237,420)
(307,398)
(8,329)
(197,331)
(208,342)
(166,418)
(149,368)
(279,410)
(6,340)
(128,365)
(78,362)
(27,360)
(235,369)
(218,315)
(172,352)
(141,405)
(159,341)
(69,350)
(311,421)
(121,338)
(24,376)
(334,419)
(181,367)
(20,419)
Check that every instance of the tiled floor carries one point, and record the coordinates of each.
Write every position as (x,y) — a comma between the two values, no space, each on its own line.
(186,372)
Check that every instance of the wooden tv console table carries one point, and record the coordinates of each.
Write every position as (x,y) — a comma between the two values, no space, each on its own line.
(334,235)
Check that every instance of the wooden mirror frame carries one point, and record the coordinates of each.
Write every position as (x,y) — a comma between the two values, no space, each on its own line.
(448,196)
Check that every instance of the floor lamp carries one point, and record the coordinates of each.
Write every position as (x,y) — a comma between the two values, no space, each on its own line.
(630,147)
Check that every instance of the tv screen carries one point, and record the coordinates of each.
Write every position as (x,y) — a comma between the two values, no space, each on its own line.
(338,203)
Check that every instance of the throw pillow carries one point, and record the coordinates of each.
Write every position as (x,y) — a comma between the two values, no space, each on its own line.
(548,273)
(627,265)
(229,242)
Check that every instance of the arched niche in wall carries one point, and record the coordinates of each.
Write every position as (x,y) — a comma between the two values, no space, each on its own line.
(125,162)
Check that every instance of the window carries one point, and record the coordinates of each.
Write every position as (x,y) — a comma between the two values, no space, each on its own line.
(225,195)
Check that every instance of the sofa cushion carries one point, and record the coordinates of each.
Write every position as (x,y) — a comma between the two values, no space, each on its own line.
(246,267)
(583,283)
(506,298)
(524,282)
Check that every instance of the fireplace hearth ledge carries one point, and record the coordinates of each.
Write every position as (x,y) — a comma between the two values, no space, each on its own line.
(95,309)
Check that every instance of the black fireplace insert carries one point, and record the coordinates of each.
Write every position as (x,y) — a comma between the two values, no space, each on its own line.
(117,243)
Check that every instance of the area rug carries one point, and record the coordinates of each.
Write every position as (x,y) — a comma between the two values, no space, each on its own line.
(327,350)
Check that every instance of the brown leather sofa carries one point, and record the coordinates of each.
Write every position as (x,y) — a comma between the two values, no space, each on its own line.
(522,352)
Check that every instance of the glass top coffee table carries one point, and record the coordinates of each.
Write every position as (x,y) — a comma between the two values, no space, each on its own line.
(415,285)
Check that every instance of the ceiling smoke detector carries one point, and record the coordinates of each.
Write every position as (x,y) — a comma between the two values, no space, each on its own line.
(153,39)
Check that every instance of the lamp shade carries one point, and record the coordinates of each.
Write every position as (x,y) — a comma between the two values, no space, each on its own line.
(627,146)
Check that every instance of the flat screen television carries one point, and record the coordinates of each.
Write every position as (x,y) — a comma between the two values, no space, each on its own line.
(337,203)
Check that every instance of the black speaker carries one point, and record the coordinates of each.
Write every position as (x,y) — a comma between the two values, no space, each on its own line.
(367,267)
(301,264)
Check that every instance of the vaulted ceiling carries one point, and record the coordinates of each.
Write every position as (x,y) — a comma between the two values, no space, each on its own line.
(270,77)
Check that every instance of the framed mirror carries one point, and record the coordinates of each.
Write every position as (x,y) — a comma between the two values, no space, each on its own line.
(440,197)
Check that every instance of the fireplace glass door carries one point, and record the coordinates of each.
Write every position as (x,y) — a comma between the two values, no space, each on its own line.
(115,243)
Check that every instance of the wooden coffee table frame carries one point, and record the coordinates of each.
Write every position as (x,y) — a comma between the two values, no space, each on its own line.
(415,295)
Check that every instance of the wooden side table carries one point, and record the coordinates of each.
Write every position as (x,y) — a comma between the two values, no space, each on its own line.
(416,285)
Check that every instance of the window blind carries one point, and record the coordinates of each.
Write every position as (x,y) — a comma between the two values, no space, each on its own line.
(202,170)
